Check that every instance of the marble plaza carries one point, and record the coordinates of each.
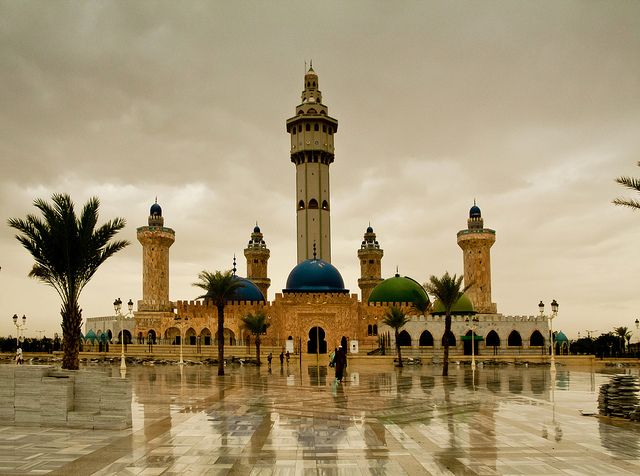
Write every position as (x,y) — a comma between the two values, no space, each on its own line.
(383,420)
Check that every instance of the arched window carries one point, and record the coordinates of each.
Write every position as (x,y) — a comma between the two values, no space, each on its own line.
(325,205)
(451,338)
(313,203)
(493,340)
(404,339)
(293,130)
(536,339)
(301,205)
(369,330)
(375,329)
(426,339)
(312,111)
(316,127)
(324,128)
(514,340)
(308,84)
(314,84)
(300,126)
(307,127)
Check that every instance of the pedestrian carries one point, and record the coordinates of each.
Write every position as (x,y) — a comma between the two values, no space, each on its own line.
(341,362)
(19,358)
(281,358)
(269,358)
(288,356)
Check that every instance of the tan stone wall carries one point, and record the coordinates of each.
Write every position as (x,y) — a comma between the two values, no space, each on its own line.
(477,268)
(155,268)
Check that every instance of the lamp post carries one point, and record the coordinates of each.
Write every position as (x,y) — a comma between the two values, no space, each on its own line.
(554,313)
(19,327)
(117,306)
(474,321)
(638,329)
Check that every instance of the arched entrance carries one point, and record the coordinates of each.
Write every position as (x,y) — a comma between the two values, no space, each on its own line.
(151,336)
(466,342)
(514,340)
(127,337)
(404,339)
(426,339)
(536,339)
(316,343)
(229,337)
(493,341)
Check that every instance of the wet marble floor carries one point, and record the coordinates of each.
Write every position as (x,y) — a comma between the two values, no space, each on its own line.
(382,420)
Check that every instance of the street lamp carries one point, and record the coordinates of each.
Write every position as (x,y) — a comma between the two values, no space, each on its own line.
(117,305)
(474,322)
(19,327)
(638,329)
(554,313)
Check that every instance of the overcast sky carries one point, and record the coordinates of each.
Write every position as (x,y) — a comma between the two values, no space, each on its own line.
(530,107)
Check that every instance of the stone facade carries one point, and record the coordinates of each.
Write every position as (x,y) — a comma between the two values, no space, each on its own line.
(319,321)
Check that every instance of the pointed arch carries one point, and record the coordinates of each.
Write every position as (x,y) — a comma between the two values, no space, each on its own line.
(515,339)
(313,203)
(301,205)
(404,339)
(493,339)
(450,337)
(325,205)
(426,339)
(536,339)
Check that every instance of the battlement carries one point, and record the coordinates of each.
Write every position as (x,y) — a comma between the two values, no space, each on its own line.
(317,298)
(210,305)
(390,304)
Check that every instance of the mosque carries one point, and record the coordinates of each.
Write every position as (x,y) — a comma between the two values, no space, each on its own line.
(315,312)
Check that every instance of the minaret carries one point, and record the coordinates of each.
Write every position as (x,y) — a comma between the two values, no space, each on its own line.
(311,131)
(156,241)
(257,255)
(476,242)
(370,256)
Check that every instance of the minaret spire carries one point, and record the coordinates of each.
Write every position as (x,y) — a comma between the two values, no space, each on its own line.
(311,131)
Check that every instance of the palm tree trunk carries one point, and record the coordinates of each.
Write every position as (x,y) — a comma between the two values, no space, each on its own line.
(398,348)
(220,339)
(258,349)
(445,359)
(71,330)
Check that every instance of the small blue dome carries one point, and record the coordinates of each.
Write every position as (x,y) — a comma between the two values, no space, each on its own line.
(369,229)
(474,212)
(247,292)
(155,210)
(256,229)
(315,276)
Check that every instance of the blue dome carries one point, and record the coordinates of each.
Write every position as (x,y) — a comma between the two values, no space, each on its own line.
(315,276)
(474,212)
(155,210)
(247,292)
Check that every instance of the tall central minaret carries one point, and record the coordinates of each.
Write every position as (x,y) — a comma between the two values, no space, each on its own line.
(311,131)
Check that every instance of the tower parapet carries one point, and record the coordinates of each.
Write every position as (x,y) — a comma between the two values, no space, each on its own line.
(311,131)
(370,256)
(156,241)
(257,255)
(476,242)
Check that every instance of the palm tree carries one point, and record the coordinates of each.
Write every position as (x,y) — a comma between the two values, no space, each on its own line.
(396,319)
(623,333)
(220,287)
(68,250)
(633,184)
(447,290)
(256,324)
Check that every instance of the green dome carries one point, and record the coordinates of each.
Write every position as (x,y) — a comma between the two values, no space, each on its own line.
(461,307)
(560,337)
(399,289)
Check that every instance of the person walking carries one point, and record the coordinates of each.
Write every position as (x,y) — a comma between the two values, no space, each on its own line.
(281,358)
(341,363)
(288,356)
(269,358)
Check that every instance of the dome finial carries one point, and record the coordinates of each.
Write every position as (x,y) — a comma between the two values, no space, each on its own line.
(474,202)
(314,250)
(234,269)
(397,272)
(156,199)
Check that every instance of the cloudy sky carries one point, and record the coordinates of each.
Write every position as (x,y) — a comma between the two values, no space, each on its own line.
(530,107)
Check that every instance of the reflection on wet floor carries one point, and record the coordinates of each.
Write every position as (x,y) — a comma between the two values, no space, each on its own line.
(382,420)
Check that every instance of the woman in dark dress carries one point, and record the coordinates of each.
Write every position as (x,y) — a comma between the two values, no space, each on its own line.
(341,363)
